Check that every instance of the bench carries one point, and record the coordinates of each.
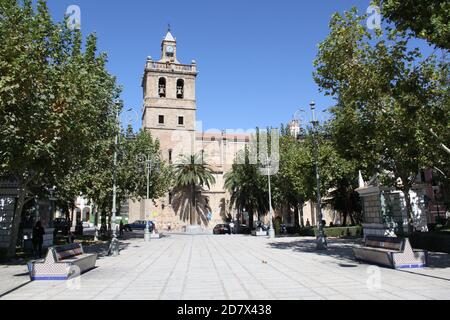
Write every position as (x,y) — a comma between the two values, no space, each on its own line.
(392,252)
(62,263)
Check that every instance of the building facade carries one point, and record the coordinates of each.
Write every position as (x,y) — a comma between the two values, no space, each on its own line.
(169,114)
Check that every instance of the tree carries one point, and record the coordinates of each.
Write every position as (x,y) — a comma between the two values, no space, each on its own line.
(95,180)
(293,184)
(428,20)
(191,175)
(339,177)
(386,94)
(246,186)
(55,100)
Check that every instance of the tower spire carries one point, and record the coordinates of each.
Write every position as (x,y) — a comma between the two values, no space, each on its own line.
(169,36)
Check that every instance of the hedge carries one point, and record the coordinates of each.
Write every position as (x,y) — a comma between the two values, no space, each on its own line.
(3,254)
(333,232)
(431,241)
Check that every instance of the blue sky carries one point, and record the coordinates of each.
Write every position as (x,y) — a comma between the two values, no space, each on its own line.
(255,58)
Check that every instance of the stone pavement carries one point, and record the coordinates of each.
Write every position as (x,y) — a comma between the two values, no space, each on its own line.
(235,267)
(12,276)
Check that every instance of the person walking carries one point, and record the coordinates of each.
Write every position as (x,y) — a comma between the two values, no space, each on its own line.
(38,239)
(121,227)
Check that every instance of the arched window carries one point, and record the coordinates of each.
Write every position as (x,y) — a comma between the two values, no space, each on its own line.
(180,88)
(162,87)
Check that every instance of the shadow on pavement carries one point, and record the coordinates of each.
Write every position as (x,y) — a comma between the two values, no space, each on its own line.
(101,249)
(341,249)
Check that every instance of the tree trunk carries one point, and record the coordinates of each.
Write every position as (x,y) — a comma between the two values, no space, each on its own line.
(95,207)
(74,217)
(441,145)
(302,219)
(250,219)
(16,220)
(296,219)
(192,205)
(351,219)
(344,221)
(408,208)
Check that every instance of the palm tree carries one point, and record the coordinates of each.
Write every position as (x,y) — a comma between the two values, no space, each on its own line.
(245,186)
(191,174)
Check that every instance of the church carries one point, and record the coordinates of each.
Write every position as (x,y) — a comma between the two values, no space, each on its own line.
(169,114)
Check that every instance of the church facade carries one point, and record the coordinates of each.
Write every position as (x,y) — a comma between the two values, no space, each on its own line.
(169,114)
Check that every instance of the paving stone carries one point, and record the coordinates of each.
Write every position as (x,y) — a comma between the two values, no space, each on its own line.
(234,267)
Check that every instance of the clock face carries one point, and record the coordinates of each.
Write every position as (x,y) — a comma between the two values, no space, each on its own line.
(169,49)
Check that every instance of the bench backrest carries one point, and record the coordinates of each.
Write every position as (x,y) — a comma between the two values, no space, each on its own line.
(67,251)
(390,243)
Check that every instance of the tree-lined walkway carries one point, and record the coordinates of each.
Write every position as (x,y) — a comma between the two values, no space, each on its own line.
(242,267)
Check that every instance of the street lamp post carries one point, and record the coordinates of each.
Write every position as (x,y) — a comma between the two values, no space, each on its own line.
(114,249)
(268,165)
(271,229)
(321,239)
(149,164)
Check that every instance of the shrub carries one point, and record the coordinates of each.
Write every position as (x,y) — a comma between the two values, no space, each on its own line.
(431,241)
(342,232)
(291,230)
(306,232)
(277,226)
(335,232)
(441,220)
(3,254)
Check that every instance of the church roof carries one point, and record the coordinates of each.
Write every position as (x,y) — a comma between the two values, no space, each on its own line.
(169,37)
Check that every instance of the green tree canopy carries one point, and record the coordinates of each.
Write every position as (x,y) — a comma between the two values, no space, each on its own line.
(55,99)
(428,19)
(388,98)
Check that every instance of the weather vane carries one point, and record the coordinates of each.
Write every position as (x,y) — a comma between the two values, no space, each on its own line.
(168,27)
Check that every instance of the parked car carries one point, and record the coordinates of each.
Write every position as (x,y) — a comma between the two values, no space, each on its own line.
(61,225)
(87,225)
(222,229)
(243,229)
(138,225)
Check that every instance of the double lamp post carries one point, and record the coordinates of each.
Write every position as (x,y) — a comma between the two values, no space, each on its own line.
(321,239)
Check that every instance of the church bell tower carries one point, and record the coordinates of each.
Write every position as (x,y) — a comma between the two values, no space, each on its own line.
(169,110)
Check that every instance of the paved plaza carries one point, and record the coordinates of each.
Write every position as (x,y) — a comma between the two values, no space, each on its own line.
(204,267)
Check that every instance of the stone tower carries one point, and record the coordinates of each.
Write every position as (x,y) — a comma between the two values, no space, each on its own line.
(169,111)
